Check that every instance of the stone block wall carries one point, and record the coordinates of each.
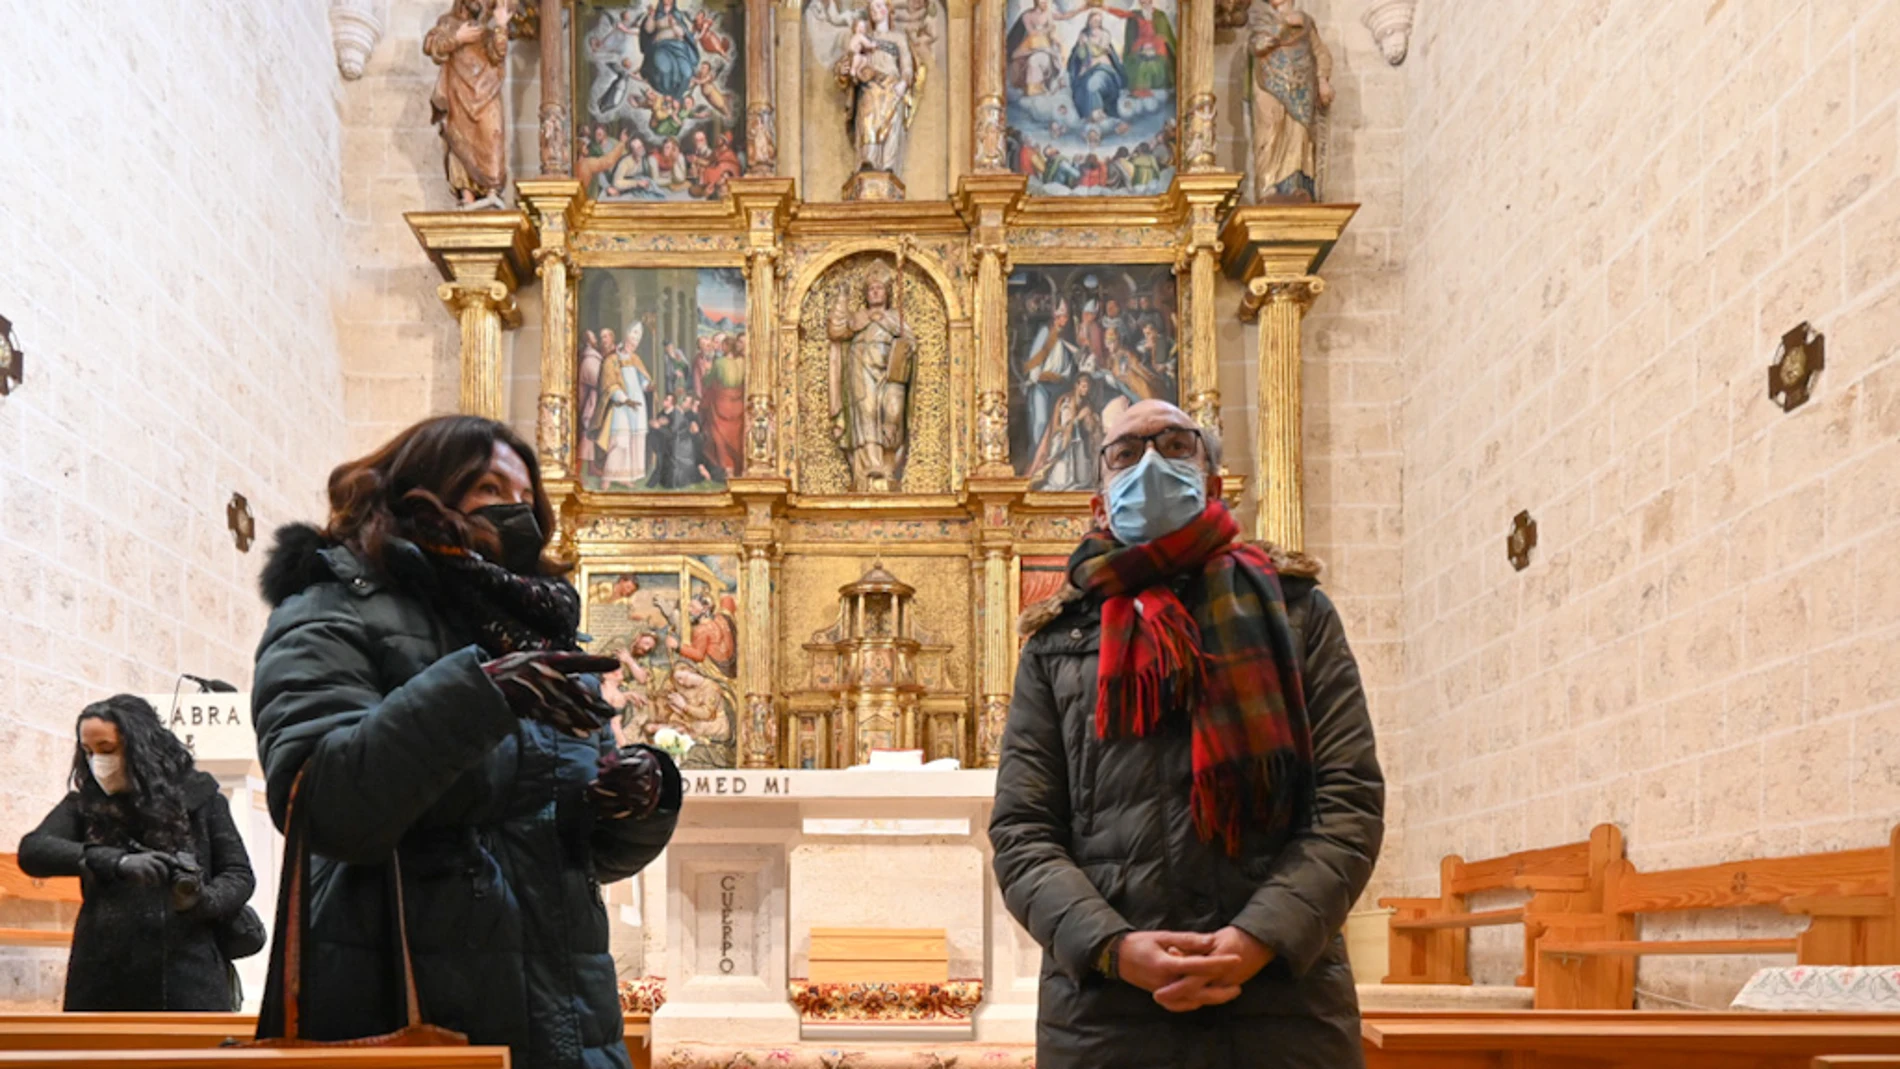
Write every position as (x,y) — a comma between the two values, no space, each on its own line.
(1614,209)
(172,225)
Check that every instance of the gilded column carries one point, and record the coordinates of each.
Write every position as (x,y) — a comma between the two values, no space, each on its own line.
(556,153)
(1197,86)
(1279,306)
(1204,198)
(480,254)
(985,202)
(760,743)
(765,203)
(483,309)
(761,124)
(550,202)
(987,141)
(998,633)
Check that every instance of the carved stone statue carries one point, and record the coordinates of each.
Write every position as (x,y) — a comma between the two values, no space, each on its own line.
(1292,83)
(470,44)
(872,355)
(878,64)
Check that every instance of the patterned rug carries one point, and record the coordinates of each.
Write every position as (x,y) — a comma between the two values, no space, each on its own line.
(1824,989)
(943,1056)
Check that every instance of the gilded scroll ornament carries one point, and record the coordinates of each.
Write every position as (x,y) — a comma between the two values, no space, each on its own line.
(761,135)
(1200,133)
(661,529)
(1263,291)
(761,434)
(990,156)
(555,428)
(992,428)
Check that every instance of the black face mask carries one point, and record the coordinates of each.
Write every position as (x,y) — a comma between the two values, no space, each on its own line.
(521,538)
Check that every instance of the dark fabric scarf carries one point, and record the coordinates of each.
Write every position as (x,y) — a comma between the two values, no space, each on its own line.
(1230,662)
(509,613)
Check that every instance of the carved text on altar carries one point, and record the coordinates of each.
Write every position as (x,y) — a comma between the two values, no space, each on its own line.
(737,785)
(728,888)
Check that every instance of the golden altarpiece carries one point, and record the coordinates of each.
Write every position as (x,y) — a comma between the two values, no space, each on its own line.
(820,397)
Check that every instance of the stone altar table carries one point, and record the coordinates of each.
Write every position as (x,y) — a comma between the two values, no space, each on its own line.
(761,857)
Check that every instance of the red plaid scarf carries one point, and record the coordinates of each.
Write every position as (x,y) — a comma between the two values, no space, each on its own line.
(1230,662)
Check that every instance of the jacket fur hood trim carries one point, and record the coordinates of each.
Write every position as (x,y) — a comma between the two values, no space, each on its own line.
(295,563)
(1288,562)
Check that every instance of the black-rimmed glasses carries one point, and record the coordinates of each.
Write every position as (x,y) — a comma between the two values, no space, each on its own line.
(1174,443)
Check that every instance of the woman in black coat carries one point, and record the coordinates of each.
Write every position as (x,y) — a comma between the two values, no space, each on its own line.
(159,862)
(420,686)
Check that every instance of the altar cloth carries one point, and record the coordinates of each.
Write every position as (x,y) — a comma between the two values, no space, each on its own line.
(1823,989)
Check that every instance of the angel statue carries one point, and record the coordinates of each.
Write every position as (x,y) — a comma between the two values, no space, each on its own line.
(879,62)
(470,44)
(1292,84)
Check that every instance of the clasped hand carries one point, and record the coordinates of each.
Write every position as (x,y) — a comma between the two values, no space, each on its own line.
(1189,970)
(540,686)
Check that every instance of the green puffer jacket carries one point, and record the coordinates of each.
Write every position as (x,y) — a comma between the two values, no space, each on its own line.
(1095,839)
(406,746)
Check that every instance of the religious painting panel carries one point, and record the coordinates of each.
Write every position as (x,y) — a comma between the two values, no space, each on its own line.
(875,95)
(673,622)
(1091,96)
(874,383)
(1042,578)
(659,98)
(660,382)
(1085,342)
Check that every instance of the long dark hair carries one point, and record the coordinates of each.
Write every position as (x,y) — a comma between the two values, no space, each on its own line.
(152,807)
(407,489)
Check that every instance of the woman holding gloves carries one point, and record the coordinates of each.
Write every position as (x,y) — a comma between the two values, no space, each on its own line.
(421,693)
(161,867)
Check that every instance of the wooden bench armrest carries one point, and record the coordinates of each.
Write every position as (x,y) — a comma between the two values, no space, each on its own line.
(1411,903)
(1486,919)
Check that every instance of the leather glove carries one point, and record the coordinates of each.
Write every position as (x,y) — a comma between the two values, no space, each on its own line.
(540,686)
(146,869)
(628,785)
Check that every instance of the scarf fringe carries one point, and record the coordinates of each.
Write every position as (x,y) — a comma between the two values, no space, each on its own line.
(1268,794)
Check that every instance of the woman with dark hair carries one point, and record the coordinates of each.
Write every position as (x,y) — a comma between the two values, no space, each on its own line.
(420,690)
(159,862)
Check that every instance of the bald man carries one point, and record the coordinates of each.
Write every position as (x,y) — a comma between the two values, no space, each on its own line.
(1189,800)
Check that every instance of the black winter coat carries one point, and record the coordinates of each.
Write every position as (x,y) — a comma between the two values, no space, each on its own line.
(1095,839)
(407,747)
(131,952)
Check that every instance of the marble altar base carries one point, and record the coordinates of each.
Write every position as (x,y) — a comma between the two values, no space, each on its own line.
(761,858)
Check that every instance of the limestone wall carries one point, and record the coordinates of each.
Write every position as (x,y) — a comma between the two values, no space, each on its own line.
(171,231)
(1613,209)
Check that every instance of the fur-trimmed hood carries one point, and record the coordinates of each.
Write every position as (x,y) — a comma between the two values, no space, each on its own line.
(1288,562)
(295,563)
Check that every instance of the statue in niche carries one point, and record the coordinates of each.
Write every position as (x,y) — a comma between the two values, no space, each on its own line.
(1292,85)
(871,358)
(470,44)
(879,63)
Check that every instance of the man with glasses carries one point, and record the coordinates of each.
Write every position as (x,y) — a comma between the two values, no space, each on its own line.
(1188,801)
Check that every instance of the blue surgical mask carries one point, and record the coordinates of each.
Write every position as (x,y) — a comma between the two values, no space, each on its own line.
(1156,497)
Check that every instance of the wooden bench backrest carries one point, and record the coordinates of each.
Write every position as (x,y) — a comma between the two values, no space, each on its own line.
(1754,882)
(1562,879)
(17,884)
(879,955)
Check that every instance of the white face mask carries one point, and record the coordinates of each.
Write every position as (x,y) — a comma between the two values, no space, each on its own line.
(109,770)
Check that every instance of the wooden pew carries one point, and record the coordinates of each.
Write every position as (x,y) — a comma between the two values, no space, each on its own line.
(303,1058)
(1430,937)
(17,886)
(1587,960)
(1629,1040)
(149,1031)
